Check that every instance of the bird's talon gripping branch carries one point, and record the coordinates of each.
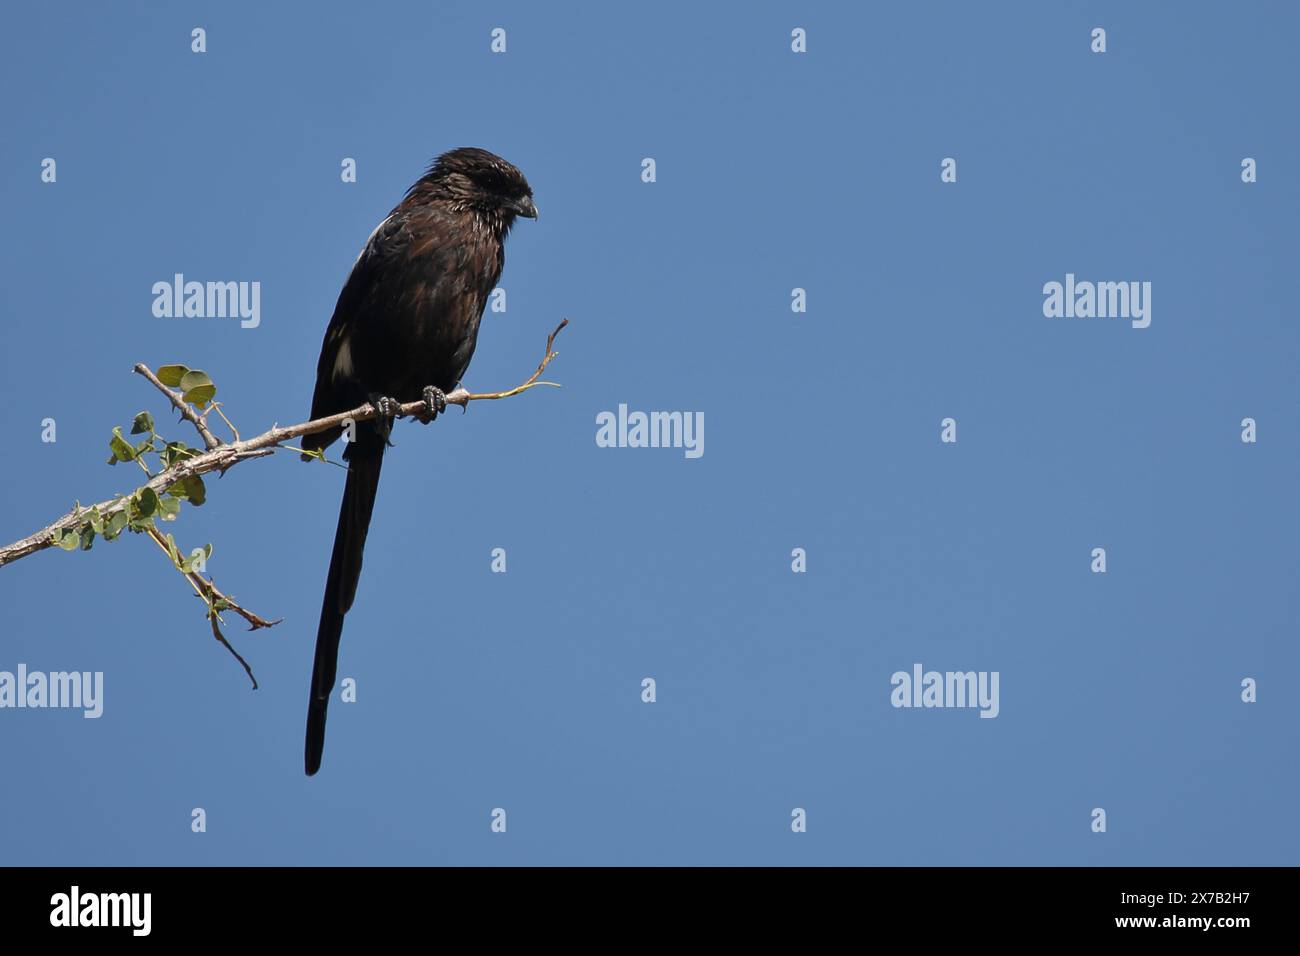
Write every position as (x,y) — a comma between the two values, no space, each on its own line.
(389,410)
(435,401)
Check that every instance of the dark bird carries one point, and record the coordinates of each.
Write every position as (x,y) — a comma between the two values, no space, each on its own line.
(404,329)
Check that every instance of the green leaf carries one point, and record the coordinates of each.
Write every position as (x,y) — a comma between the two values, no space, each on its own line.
(115,525)
(196,387)
(140,524)
(119,447)
(169,508)
(146,501)
(143,423)
(192,560)
(87,537)
(195,490)
(68,539)
(201,395)
(172,374)
(194,378)
(190,489)
(96,520)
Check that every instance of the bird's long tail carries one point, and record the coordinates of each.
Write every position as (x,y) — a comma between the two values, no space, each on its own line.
(365,456)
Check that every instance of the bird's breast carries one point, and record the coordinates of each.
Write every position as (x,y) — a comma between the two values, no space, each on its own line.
(423,318)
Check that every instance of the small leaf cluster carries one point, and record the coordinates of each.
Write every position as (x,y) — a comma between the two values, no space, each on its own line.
(196,388)
(139,510)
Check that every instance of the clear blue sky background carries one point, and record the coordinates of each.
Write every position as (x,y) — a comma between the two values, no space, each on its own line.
(522,690)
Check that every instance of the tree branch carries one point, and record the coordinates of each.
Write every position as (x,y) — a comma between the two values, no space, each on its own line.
(224,455)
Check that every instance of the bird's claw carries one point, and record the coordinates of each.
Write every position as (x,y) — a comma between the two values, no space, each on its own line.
(435,402)
(388,410)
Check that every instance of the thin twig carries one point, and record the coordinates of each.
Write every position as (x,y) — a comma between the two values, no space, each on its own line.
(216,407)
(532,379)
(216,632)
(211,594)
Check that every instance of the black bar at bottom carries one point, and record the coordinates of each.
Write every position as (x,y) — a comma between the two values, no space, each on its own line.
(332,905)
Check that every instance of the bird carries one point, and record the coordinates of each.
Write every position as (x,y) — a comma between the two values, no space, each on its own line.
(404,329)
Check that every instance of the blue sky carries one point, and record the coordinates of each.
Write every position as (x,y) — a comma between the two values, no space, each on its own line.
(775,170)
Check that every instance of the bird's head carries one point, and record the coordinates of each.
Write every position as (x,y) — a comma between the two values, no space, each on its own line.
(475,179)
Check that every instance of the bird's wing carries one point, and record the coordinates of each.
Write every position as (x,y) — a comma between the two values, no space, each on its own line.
(338,388)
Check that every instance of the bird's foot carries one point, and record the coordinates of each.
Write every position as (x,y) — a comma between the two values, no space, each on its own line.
(435,402)
(389,410)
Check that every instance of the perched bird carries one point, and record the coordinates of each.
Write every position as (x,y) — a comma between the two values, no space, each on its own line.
(404,329)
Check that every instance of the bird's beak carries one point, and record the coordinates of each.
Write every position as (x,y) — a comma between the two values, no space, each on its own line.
(525,207)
